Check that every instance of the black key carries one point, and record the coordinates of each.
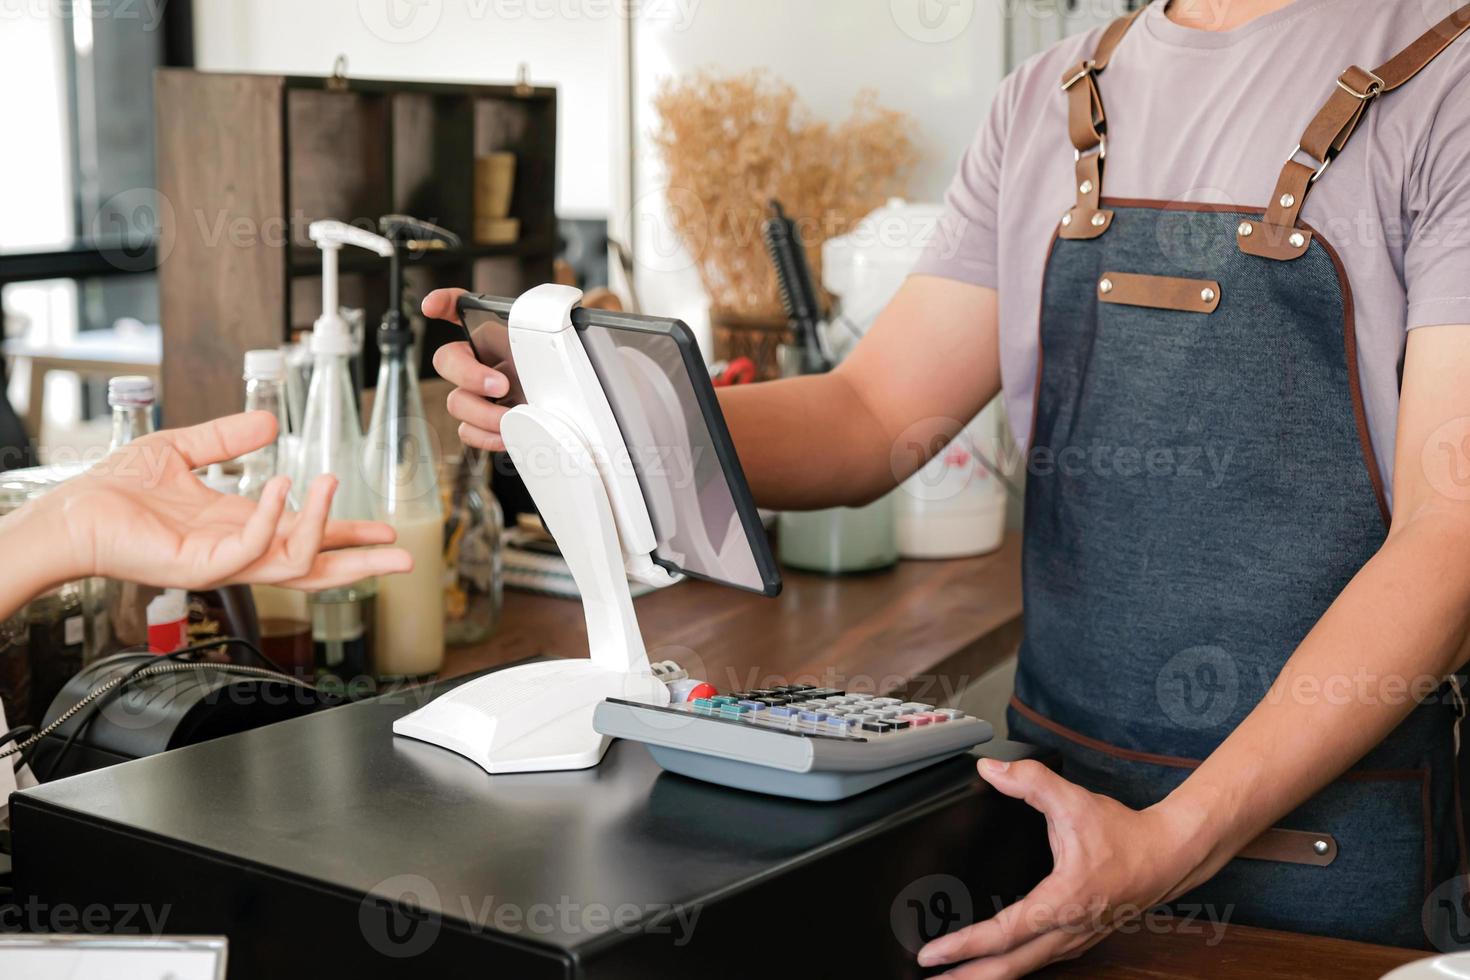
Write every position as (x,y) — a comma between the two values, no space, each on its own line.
(899,724)
(877,726)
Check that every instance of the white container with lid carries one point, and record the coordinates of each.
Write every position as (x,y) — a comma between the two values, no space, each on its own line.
(954,506)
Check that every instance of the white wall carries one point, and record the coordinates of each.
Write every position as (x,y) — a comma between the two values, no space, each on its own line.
(572,44)
(940,61)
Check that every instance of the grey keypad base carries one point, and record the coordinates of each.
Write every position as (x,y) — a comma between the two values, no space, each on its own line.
(821,786)
(802,742)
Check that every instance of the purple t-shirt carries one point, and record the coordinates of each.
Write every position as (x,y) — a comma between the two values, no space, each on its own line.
(1207,116)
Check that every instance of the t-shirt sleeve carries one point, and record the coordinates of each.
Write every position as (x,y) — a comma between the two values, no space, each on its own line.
(966,241)
(1437,251)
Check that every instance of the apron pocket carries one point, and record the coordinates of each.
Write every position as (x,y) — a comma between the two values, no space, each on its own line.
(1377,824)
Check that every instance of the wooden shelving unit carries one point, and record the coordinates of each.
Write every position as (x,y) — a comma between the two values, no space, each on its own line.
(247,162)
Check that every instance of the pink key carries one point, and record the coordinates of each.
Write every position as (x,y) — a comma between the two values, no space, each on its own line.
(934,717)
(919,719)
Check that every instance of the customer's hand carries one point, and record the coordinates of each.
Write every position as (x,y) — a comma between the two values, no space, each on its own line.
(1111,864)
(482,395)
(141,515)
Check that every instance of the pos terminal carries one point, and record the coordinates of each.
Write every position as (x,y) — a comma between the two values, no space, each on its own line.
(626,454)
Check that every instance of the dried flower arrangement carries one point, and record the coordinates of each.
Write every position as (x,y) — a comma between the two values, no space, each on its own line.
(732,144)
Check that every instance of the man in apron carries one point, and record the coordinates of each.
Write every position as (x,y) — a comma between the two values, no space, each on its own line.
(1242,369)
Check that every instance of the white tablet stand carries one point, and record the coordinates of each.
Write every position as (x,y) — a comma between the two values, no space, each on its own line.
(568,449)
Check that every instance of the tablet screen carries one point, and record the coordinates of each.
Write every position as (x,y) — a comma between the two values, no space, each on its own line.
(703,517)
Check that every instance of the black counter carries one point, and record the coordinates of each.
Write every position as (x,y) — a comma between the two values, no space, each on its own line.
(326,847)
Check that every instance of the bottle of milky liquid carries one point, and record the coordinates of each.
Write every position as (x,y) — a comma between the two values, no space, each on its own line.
(401,468)
(285,620)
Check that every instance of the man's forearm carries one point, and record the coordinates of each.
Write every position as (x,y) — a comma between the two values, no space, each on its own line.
(807,442)
(1392,635)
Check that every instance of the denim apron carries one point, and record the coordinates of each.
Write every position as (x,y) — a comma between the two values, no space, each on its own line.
(1201,488)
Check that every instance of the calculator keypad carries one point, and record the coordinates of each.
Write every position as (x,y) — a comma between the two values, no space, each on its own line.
(802,709)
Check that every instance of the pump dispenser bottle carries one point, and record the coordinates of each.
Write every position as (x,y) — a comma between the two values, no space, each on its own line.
(401,467)
(331,442)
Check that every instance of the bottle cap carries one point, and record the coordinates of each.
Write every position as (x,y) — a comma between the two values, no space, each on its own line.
(215,478)
(331,334)
(130,389)
(265,365)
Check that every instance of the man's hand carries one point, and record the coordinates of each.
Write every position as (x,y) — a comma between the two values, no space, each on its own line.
(1110,864)
(141,515)
(482,395)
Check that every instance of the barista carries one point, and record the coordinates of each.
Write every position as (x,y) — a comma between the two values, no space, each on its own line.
(1241,376)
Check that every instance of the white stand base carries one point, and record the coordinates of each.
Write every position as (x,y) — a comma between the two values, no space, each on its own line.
(564,440)
(532,718)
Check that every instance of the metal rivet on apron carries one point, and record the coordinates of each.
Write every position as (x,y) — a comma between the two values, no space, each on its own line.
(1297,239)
(1287,200)
(1086,187)
(1105,286)
(1099,219)
(1320,846)
(1207,294)
(1245,229)
(1066,219)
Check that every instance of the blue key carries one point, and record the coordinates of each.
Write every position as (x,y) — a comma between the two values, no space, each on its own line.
(754,705)
(813,715)
(781,711)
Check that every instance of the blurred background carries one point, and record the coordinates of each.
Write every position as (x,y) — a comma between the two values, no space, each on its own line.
(87,239)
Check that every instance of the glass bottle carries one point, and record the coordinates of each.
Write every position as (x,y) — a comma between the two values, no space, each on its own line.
(331,442)
(131,398)
(399,461)
(265,391)
(473,539)
(15,658)
(283,617)
(117,612)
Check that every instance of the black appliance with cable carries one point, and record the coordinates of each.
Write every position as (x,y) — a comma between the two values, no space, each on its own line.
(166,703)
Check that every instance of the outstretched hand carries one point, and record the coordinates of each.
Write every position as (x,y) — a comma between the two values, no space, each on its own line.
(141,515)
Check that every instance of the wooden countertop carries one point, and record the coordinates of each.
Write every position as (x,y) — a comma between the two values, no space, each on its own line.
(1241,953)
(927,629)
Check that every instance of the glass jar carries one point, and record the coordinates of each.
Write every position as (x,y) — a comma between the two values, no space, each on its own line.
(474,573)
(15,671)
(41,646)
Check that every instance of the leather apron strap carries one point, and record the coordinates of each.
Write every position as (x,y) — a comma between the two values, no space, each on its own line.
(1277,235)
(1087,125)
